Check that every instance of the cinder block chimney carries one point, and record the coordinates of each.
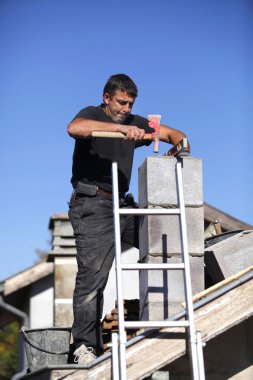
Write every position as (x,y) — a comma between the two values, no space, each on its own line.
(162,292)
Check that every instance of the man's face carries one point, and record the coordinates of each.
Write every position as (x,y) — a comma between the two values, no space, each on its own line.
(119,106)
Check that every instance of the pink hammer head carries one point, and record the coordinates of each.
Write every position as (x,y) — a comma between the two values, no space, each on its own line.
(154,122)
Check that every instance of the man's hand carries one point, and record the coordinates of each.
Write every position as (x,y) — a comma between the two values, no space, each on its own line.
(181,149)
(132,132)
(83,128)
(183,154)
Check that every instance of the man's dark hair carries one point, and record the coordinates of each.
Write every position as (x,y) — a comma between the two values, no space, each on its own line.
(120,82)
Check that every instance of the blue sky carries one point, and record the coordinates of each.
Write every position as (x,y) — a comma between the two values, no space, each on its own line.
(192,61)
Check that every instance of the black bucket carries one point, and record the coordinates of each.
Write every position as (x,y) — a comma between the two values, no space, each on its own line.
(48,346)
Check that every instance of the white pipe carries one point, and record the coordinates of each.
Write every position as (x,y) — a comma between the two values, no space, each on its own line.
(115,356)
(187,275)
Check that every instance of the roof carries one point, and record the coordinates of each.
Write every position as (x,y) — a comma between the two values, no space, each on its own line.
(155,345)
(27,277)
(16,289)
(228,222)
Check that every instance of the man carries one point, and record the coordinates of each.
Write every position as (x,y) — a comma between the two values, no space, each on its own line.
(91,209)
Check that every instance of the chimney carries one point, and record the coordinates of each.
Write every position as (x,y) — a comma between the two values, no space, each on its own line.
(162,292)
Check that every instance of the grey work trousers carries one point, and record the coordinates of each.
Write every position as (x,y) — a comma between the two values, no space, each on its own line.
(92,221)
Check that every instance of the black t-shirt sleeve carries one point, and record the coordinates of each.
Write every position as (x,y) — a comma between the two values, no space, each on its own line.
(87,113)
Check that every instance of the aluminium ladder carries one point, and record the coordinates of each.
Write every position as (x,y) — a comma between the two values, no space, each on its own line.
(119,339)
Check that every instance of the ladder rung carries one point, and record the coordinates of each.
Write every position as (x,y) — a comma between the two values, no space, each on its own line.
(149,211)
(152,266)
(155,324)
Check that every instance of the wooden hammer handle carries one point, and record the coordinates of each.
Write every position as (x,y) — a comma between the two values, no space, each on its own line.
(118,135)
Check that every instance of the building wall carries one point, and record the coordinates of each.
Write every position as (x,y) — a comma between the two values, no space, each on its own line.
(130,280)
(227,357)
(42,303)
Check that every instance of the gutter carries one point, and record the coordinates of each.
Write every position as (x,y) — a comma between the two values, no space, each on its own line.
(25,321)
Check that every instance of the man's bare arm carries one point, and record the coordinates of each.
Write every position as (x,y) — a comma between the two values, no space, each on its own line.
(81,128)
(171,135)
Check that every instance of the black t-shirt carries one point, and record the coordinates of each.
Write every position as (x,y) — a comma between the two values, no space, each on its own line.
(93,157)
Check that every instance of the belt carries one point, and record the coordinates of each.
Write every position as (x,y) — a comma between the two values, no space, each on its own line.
(83,189)
(107,194)
(104,193)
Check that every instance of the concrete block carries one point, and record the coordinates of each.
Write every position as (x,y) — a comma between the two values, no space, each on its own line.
(157,182)
(63,314)
(62,241)
(160,375)
(160,234)
(63,228)
(65,275)
(229,256)
(162,292)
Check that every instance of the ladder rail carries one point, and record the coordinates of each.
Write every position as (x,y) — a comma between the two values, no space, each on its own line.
(193,349)
(118,269)
(185,249)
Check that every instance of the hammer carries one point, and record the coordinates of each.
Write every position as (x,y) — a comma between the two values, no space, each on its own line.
(154,122)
